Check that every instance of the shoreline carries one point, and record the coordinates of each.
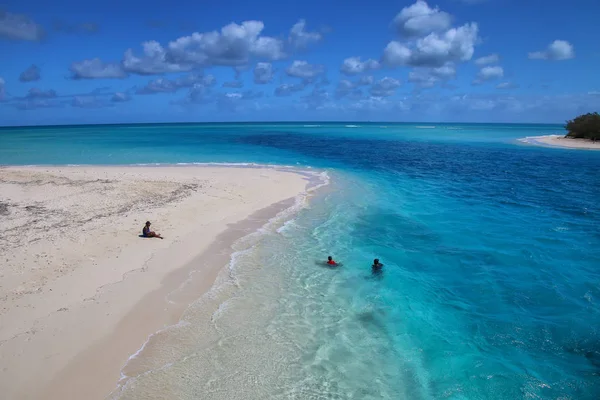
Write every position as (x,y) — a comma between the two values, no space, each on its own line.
(80,350)
(559,141)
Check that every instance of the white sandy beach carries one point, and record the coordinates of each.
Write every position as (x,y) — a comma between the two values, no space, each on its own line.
(80,291)
(561,141)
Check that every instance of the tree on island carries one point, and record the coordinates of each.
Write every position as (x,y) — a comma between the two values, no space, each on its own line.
(586,126)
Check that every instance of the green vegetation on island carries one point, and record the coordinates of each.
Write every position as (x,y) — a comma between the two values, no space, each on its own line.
(586,126)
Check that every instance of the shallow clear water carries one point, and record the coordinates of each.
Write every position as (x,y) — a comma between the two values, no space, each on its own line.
(490,288)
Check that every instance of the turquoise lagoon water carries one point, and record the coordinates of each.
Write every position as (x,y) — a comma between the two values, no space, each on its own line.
(491,284)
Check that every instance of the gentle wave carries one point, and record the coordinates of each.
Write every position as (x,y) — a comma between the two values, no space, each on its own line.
(245,245)
(536,139)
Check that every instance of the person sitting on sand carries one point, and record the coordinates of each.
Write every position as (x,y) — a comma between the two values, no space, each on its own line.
(376,265)
(146,232)
(330,261)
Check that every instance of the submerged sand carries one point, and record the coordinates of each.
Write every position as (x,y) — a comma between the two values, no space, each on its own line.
(562,141)
(80,291)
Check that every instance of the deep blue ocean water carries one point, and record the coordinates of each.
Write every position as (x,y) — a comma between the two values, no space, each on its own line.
(491,284)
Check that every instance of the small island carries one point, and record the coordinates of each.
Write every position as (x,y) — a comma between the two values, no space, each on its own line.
(583,132)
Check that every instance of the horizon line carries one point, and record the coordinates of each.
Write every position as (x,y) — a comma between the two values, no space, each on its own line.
(274,123)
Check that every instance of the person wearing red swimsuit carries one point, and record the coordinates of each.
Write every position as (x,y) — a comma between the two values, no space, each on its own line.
(330,261)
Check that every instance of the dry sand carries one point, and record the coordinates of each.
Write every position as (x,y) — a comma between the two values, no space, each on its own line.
(80,291)
(561,141)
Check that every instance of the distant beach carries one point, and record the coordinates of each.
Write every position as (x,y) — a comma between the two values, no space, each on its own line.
(81,291)
(561,141)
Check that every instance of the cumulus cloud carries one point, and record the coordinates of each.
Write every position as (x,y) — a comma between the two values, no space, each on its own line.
(344,88)
(233,45)
(421,79)
(434,50)
(420,20)
(491,59)
(163,85)
(19,27)
(233,84)
(263,73)
(365,80)
(96,69)
(30,74)
(120,97)
(316,98)
(233,100)
(304,70)
(154,60)
(488,74)
(447,71)
(288,89)
(196,95)
(385,87)
(354,66)
(556,51)
(300,38)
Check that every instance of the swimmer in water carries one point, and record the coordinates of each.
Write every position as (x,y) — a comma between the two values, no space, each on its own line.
(377,266)
(330,261)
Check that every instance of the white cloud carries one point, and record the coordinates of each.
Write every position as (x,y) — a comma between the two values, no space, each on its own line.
(557,50)
(316,99)
(419,20)
(19,27)
(96,69)
(304,70)
(491,59)
(422,79)
(385,87)
(366,80)
(153,61)
(354,66)
(427,78)
(344,88)
(300,38)
(287,89)
(163,85)
(233,45)
(447,71)
(488,74)
(263,73)
(434,50)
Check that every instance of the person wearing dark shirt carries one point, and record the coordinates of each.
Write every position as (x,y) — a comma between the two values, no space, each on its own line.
(146,232)
(377,266)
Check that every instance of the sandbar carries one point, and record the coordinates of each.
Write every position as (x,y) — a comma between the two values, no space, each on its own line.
(562,141)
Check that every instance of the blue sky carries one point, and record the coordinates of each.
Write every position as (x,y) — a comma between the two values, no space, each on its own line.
(74,62)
